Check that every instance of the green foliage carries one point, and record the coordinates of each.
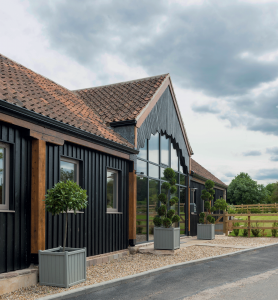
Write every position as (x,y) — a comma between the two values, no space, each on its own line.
(207,194)
(202,215)
(244,190)
(220,204)
(169,174)
(167,217)
(273,210)
(170,213)
(162,210)
(201,220)
(245,231)
(236,231)
(166,186)
(207,205)
(241,211)
(231,209)
(176,219)
(212,220)
(255,211)
(157,221)
(209,218)
(162,198)
(173,189)
(274,231)
(255,231)
(167,222)
(65,196)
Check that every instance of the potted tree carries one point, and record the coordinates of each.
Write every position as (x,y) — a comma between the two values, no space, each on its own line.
(220,205)
(63,266)
(167,237)
(206,226)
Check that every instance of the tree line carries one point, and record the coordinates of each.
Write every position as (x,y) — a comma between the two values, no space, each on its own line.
(244,190)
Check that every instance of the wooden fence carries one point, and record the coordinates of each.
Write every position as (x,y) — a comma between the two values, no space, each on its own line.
(258,205)
(228,224)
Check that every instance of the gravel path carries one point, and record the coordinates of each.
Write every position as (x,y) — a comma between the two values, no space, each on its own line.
(241,241)
(129,265)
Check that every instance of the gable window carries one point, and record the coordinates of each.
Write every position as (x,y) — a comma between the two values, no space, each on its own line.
(4,175)
(112,190)
(69,170)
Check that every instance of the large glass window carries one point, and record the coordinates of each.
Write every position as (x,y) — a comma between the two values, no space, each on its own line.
(156,155)
(4,176)
(154,148)
(142,209)
(174,159)
(69,169)
(112,191)
(164,150)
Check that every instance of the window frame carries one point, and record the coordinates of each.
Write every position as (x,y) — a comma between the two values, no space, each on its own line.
(73,161)
(113,210)
(7,176)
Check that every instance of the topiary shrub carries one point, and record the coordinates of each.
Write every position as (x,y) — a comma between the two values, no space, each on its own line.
(207,196)
(63,197)
(167,217)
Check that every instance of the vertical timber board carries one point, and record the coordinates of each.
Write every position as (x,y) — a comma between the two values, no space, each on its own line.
(132,207)
(188,208)
(37,195)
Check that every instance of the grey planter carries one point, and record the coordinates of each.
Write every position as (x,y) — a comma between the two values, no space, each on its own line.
(166,238)
(62,269)
(219,227)
(205,231)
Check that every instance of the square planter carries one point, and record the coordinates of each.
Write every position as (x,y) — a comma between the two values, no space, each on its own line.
(166,238)
(219,227)
(205,231)
(63,269)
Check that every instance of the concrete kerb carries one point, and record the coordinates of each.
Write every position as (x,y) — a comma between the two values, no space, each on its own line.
(111,283)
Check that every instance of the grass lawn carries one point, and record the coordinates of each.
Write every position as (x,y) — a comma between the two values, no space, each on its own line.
(243,220)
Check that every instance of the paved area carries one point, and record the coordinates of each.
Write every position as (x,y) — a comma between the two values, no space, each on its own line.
(191,280)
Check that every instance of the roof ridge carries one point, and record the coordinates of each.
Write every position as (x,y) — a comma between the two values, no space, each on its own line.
(122,82)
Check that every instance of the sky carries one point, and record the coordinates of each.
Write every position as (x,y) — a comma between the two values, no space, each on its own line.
(222,57)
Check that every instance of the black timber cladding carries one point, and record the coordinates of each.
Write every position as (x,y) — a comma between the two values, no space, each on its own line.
(94,229)
(163,117)
(15,227)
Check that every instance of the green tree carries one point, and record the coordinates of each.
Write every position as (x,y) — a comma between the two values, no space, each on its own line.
(274,196)
(244,190)
(65,196)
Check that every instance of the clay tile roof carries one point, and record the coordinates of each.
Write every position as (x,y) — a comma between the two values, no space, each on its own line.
(199,170)
(25,88)
(121,101)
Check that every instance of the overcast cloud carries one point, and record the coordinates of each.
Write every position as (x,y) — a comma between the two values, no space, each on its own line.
(222,57)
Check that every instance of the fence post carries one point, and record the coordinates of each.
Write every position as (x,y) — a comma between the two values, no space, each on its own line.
(249,227)
(225,223)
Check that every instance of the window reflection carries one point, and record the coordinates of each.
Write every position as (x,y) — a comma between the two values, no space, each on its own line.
(182,209)
(143,151)
(174,158)
(141,166)
(153,171)
(141,214)
(153,202)
(164,150)
(162,173)
(154,148)
(182,179)
(68,171)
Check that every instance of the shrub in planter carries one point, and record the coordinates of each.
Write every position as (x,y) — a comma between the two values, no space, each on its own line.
(166,216)
(207,196)
(63,267)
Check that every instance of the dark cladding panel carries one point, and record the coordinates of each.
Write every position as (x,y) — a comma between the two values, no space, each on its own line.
(15,227)
(94,229)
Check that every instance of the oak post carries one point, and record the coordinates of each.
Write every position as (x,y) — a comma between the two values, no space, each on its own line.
(132,208)
(37,196)
(249,228)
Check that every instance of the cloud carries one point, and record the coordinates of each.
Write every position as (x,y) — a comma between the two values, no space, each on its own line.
(274,158)
(273,150)
(252,153)
(229,174)
(207,108)
(267,174)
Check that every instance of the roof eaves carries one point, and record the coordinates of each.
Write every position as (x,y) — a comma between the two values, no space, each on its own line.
(196,175)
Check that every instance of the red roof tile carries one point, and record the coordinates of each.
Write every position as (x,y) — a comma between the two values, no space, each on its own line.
(25,88)
(121,101)
(199,170)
